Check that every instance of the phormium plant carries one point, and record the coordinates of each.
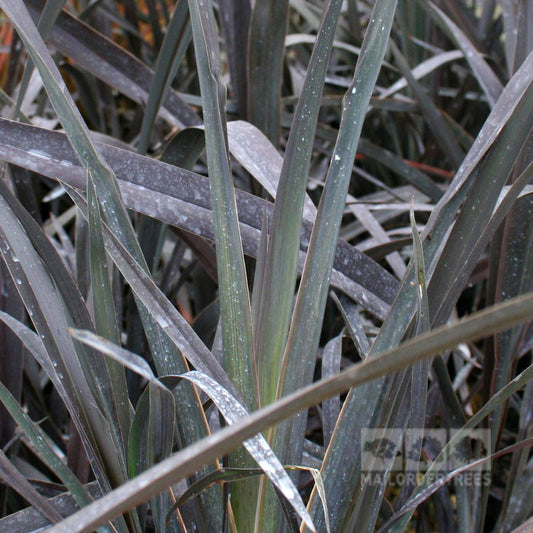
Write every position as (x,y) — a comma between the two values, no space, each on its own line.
(266,266)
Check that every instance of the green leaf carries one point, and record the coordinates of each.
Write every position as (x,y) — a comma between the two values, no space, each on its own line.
(300,354)
(284,242)
(234,298)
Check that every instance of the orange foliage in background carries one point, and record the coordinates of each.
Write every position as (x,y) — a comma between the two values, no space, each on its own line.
(6,36)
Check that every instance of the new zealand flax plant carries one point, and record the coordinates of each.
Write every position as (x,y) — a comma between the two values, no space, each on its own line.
(266,266)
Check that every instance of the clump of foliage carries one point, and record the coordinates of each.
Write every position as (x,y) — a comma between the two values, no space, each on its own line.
(236,237)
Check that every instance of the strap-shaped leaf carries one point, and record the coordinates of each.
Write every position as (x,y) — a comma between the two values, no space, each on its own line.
(268,26)
(282,259)
(235,309)
(181,198)
(234,297)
